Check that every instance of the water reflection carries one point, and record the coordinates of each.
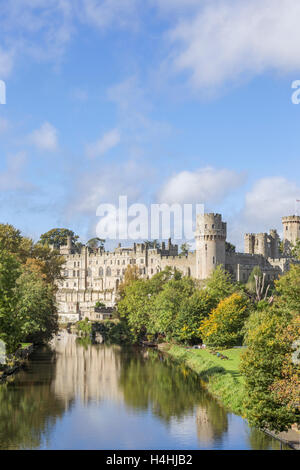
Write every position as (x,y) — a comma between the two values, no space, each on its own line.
(28,406)
(71,388)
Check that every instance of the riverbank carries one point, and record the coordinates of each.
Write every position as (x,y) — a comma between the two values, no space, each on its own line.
(220,376)
(223,379)
(15,363)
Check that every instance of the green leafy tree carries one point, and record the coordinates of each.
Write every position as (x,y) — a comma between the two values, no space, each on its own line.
(10,325)
(135,306)
(192,311)
(219,285)
(271,377)
(57,237)
(224,326)
(35,308)
(10,238)
(95,243)
(167,303)
(229,247)
(295,250)
(185,248)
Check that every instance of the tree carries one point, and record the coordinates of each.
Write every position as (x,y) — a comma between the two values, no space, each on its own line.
(95,243)
(271,376)
(10,238)
(152,243)
(219,285)
(192,311)
(295,250)
(256,286)
(10,327)
(135,306)
(229,247)
(35,308)
(185,248)
(167,303)
(50,262)
(224,326)
(131,274)
(58,237)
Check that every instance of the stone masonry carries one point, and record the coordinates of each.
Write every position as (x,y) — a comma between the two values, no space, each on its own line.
(91,276)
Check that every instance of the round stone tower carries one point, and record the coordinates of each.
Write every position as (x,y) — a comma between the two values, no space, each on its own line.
(291,230)
(210,244)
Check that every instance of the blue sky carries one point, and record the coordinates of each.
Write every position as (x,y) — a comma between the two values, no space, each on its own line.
(161,100)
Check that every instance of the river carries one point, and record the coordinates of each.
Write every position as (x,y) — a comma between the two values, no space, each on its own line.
(74,395)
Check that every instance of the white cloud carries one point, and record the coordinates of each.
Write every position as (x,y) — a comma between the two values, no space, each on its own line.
(269,200)
(107,142)
(206,185)
(44,138)
(42,29)
(265,204)
(11,179)
(104,185)
(226,40)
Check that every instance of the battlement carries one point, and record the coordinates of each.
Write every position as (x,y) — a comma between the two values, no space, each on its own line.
(291,219)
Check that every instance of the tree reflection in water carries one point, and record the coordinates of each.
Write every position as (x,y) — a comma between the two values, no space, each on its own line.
(171,390)
(29,409)
(79,377)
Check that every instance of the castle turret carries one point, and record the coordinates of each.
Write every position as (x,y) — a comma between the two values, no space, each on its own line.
(291,230)
(274,244)
(210,244)
(249,243)
(67,249)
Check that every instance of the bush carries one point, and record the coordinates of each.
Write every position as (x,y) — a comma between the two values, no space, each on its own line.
(224,327)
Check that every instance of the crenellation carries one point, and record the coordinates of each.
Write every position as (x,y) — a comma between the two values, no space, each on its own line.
(91,276)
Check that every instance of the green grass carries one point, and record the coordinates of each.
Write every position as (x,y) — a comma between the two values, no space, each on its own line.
(25,345)
(221,377)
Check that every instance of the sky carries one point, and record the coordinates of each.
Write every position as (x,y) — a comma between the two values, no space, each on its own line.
(164,101)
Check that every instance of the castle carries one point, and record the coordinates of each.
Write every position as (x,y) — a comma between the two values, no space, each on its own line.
(94,275)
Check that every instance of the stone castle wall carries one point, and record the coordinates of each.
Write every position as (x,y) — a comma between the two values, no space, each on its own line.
(91,276)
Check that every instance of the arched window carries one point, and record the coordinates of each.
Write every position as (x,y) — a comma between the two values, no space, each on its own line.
(108,272)
(101,272)
(89,272)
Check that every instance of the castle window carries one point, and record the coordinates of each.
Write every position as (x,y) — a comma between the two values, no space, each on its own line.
(74,264)
(123,261)
(108,272)
(89,272)
(78,273)
(213,226)
(100,271)
(287,228)
(206,247)
(118,272)
(74,273)
(66,273)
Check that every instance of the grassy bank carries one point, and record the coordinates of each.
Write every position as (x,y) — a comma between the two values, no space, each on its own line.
(221,377)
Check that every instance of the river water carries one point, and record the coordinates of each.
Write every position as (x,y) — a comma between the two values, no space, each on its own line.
(74,395)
